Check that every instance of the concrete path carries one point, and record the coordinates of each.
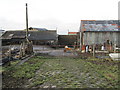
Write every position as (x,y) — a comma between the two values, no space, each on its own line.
(54,52)
(59,53)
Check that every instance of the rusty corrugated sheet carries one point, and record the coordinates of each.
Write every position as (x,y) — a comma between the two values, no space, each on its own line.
(99,25)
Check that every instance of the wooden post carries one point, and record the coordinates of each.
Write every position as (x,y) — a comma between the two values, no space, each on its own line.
(114,48)
(23,49)
(20,56)
(26,21)
(31,47)
(80,41)
(93,50)
(28,43)
(9,55)
(74,45)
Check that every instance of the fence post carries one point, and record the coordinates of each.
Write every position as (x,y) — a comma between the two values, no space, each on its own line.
(9,55)
(93,50)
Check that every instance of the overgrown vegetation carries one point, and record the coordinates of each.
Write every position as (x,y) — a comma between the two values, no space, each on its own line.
(51,72)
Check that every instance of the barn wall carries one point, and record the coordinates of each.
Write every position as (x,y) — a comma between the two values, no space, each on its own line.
(90,38)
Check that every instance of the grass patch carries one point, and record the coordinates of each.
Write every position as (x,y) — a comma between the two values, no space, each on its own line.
(107,69)
(62,72)
(20,73)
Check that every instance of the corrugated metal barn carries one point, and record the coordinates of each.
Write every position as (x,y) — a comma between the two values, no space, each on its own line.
(100,32)
(38,37)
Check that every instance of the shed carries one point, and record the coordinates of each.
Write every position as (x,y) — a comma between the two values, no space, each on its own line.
(99,32)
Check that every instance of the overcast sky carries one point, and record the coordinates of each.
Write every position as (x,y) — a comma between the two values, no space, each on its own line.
(51,14)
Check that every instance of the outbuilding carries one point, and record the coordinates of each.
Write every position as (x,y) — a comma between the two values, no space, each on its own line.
(37,37)
(99,33)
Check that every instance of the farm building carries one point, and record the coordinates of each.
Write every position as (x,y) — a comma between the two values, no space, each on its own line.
(99,33)
(37,37)
(69,40)
(1,33)
(72,33)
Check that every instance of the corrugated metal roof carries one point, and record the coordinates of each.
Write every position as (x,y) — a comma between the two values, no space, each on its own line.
(2,30)
(13,34)
(100,21)
(33,35)
(99,25)
(39,29)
